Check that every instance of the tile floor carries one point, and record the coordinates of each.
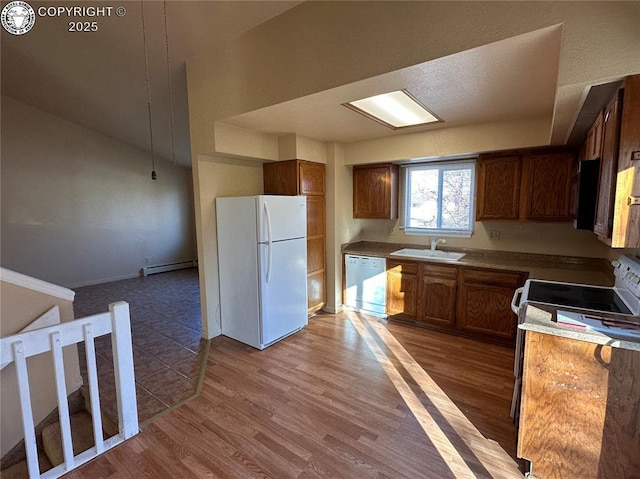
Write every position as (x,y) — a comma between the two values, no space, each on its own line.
(167,348)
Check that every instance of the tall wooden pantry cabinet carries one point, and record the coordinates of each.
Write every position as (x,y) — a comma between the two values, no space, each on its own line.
(299,177)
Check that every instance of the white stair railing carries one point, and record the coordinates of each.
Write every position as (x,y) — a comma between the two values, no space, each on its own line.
(19,347)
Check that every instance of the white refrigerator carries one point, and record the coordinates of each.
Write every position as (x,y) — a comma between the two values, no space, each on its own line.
(262,260)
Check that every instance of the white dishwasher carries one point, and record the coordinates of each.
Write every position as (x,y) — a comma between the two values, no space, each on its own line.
(366,279)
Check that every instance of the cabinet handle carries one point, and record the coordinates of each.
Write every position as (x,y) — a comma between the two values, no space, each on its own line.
(633,200)
(606,117)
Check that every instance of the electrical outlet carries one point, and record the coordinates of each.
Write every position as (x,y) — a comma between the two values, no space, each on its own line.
(146,261)
(494,234)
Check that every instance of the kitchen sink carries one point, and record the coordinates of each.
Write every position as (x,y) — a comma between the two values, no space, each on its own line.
(437,255)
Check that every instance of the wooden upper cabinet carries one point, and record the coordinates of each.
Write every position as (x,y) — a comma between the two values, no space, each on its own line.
(311,178)
(375,191)
(594,139)
(547,179)
(534,186)
(608,167)
(294,177)
(498,188)
(281,178)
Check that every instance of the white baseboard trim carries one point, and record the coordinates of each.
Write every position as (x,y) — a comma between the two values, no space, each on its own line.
(163,268)
(332,310)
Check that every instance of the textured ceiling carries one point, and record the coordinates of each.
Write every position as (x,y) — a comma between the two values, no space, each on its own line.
(98,79)
(508,80)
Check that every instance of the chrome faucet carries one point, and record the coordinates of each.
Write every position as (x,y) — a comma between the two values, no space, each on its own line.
(435,242)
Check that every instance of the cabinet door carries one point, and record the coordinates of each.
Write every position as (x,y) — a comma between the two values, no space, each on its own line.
(375,191)
(484,303)
(486,310)
(402,289)
(498,188)
(311,177)
(594,139)
(547,185)
(608,168)
(437,301)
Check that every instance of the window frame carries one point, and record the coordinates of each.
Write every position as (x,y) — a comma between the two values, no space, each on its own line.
(406,199)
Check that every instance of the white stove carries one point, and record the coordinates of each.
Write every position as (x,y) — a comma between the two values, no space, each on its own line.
(623,298)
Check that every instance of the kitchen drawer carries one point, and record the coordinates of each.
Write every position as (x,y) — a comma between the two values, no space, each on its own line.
(480,276)
(429,269)
(409,267)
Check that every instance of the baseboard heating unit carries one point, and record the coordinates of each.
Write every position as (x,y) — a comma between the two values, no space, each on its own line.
(163,268)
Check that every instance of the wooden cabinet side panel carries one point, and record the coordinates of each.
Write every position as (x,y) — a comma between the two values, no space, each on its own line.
(280,178)
(626,222)
(315,216)
(316,290)
(315,254)
(579,412)
(498,188)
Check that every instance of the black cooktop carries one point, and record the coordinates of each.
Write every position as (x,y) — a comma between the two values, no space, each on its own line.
(577,296)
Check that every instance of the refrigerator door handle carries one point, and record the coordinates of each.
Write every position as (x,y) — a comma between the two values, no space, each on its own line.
(269,253)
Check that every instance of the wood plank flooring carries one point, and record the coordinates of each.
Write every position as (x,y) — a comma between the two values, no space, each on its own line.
(349,396)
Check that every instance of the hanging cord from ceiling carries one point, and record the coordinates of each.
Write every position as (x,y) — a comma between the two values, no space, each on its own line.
(146,71)
(166,41)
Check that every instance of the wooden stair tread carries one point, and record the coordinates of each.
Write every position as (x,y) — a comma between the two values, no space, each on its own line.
(81,434)
(21,471)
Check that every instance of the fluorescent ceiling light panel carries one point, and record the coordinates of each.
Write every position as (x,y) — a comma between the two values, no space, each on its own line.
(397,109)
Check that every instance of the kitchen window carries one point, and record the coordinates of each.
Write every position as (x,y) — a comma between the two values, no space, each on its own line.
(439,198)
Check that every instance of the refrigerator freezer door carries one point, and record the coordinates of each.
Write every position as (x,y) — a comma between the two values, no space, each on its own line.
(281,217)
(284,297)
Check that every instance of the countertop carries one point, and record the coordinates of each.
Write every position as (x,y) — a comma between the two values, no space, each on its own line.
(541,318)
(596,271)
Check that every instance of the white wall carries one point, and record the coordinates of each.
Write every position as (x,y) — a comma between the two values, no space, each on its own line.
(213,177)
(80,208)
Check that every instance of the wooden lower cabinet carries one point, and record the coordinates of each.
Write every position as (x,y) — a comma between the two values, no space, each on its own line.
(484,306)
(402,290)
(579,416)
(472,302)
(486,310)
(437,291)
